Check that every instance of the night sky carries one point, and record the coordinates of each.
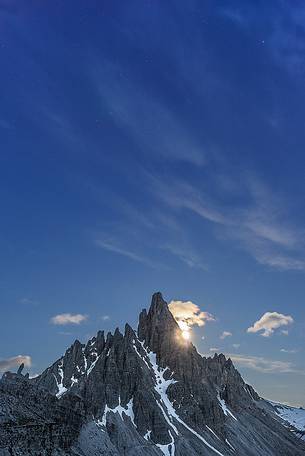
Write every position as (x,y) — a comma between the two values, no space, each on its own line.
(154,146)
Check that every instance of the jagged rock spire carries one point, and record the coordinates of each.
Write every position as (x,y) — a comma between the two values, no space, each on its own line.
(20,369)
(158,328)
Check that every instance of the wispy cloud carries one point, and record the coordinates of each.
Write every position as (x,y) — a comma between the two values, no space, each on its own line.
(186,255)
(28,301)
(68,319)
(258,223)
(270,321)
(111,246)
(15,361)
(280,262)
(280,33)
(289,351)
(264,365)
(146,119)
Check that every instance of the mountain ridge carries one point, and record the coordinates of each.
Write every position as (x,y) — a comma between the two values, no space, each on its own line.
(145,392)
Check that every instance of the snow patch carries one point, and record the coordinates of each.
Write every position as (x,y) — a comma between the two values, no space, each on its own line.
(120,410)
(224,407)
(93,364)
(231,446)
(138,353)
(169,448)
(161,388)
(73,380)
(61,388)
(211,430)
(147,435)
(85,361)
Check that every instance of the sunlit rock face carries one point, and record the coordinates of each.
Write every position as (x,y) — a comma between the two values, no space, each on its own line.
(145,392)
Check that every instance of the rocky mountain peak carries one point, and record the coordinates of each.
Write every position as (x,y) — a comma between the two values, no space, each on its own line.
(158,305)
(158,328)
(147,393)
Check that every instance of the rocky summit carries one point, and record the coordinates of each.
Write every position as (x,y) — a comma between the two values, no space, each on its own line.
(145,392)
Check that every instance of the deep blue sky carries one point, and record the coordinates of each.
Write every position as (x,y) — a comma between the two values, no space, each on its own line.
(154,145)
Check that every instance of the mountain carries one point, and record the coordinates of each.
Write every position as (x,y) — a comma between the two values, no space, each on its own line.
(142,393)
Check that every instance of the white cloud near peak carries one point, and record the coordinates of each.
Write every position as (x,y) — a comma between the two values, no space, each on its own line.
(269,322)
(190,313)
(68,319)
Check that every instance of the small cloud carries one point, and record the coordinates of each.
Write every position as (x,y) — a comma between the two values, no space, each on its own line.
(65,333)
(105,317)
(68,319)
(202,337)
(284,350)
(214,350)
(269,322)
(225,334)
(285,332)
(10,363)
(236,345)
(189,313)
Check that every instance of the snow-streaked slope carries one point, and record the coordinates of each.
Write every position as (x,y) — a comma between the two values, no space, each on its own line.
(61,388)
(167,408)
(294,416)
(224,407)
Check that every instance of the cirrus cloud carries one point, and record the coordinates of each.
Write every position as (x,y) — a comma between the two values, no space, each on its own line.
(68,319)
(190,313)
(264,365)
(269,322)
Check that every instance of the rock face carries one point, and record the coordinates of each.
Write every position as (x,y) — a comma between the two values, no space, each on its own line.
(139,393)
(33,421)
